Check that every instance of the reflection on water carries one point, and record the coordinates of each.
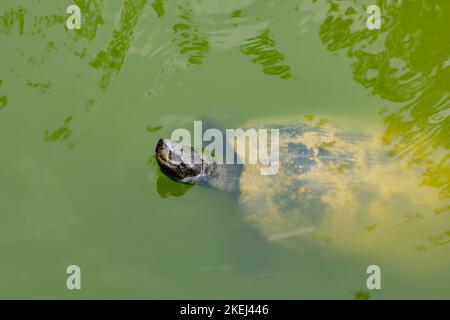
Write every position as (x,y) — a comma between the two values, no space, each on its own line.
(41,86)
(197,27)
(158,6)
(62,134)
(44,22)
(263,48)
(406,62)
(201,26)
(12,20)
(154,129)
(125,49)
(92,11)
(3,101)
(187,38)
(434,241)
(361,295)
(111,60)
(3,98)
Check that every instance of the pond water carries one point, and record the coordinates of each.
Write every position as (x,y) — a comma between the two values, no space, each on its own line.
(81,112)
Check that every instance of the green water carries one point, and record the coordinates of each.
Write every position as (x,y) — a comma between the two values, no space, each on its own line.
(81,111)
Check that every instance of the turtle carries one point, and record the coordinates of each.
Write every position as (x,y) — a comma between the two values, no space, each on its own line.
(331,175)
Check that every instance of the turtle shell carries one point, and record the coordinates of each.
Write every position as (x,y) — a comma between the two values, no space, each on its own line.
(329,176)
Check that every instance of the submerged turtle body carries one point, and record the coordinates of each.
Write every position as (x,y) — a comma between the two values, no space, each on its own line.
(318,165)
(331,179)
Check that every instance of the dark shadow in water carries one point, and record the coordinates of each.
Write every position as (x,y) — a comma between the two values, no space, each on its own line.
(154,129)
(407,62)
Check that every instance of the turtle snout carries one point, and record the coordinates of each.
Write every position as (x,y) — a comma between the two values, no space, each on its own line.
(161,149)
(161,144)
(162,152)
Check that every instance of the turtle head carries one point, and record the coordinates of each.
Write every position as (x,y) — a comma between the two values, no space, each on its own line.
(179,162)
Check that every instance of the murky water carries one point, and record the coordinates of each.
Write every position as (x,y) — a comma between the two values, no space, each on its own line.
(81,111)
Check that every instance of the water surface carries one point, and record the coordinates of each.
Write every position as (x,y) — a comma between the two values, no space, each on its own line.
(81,111)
